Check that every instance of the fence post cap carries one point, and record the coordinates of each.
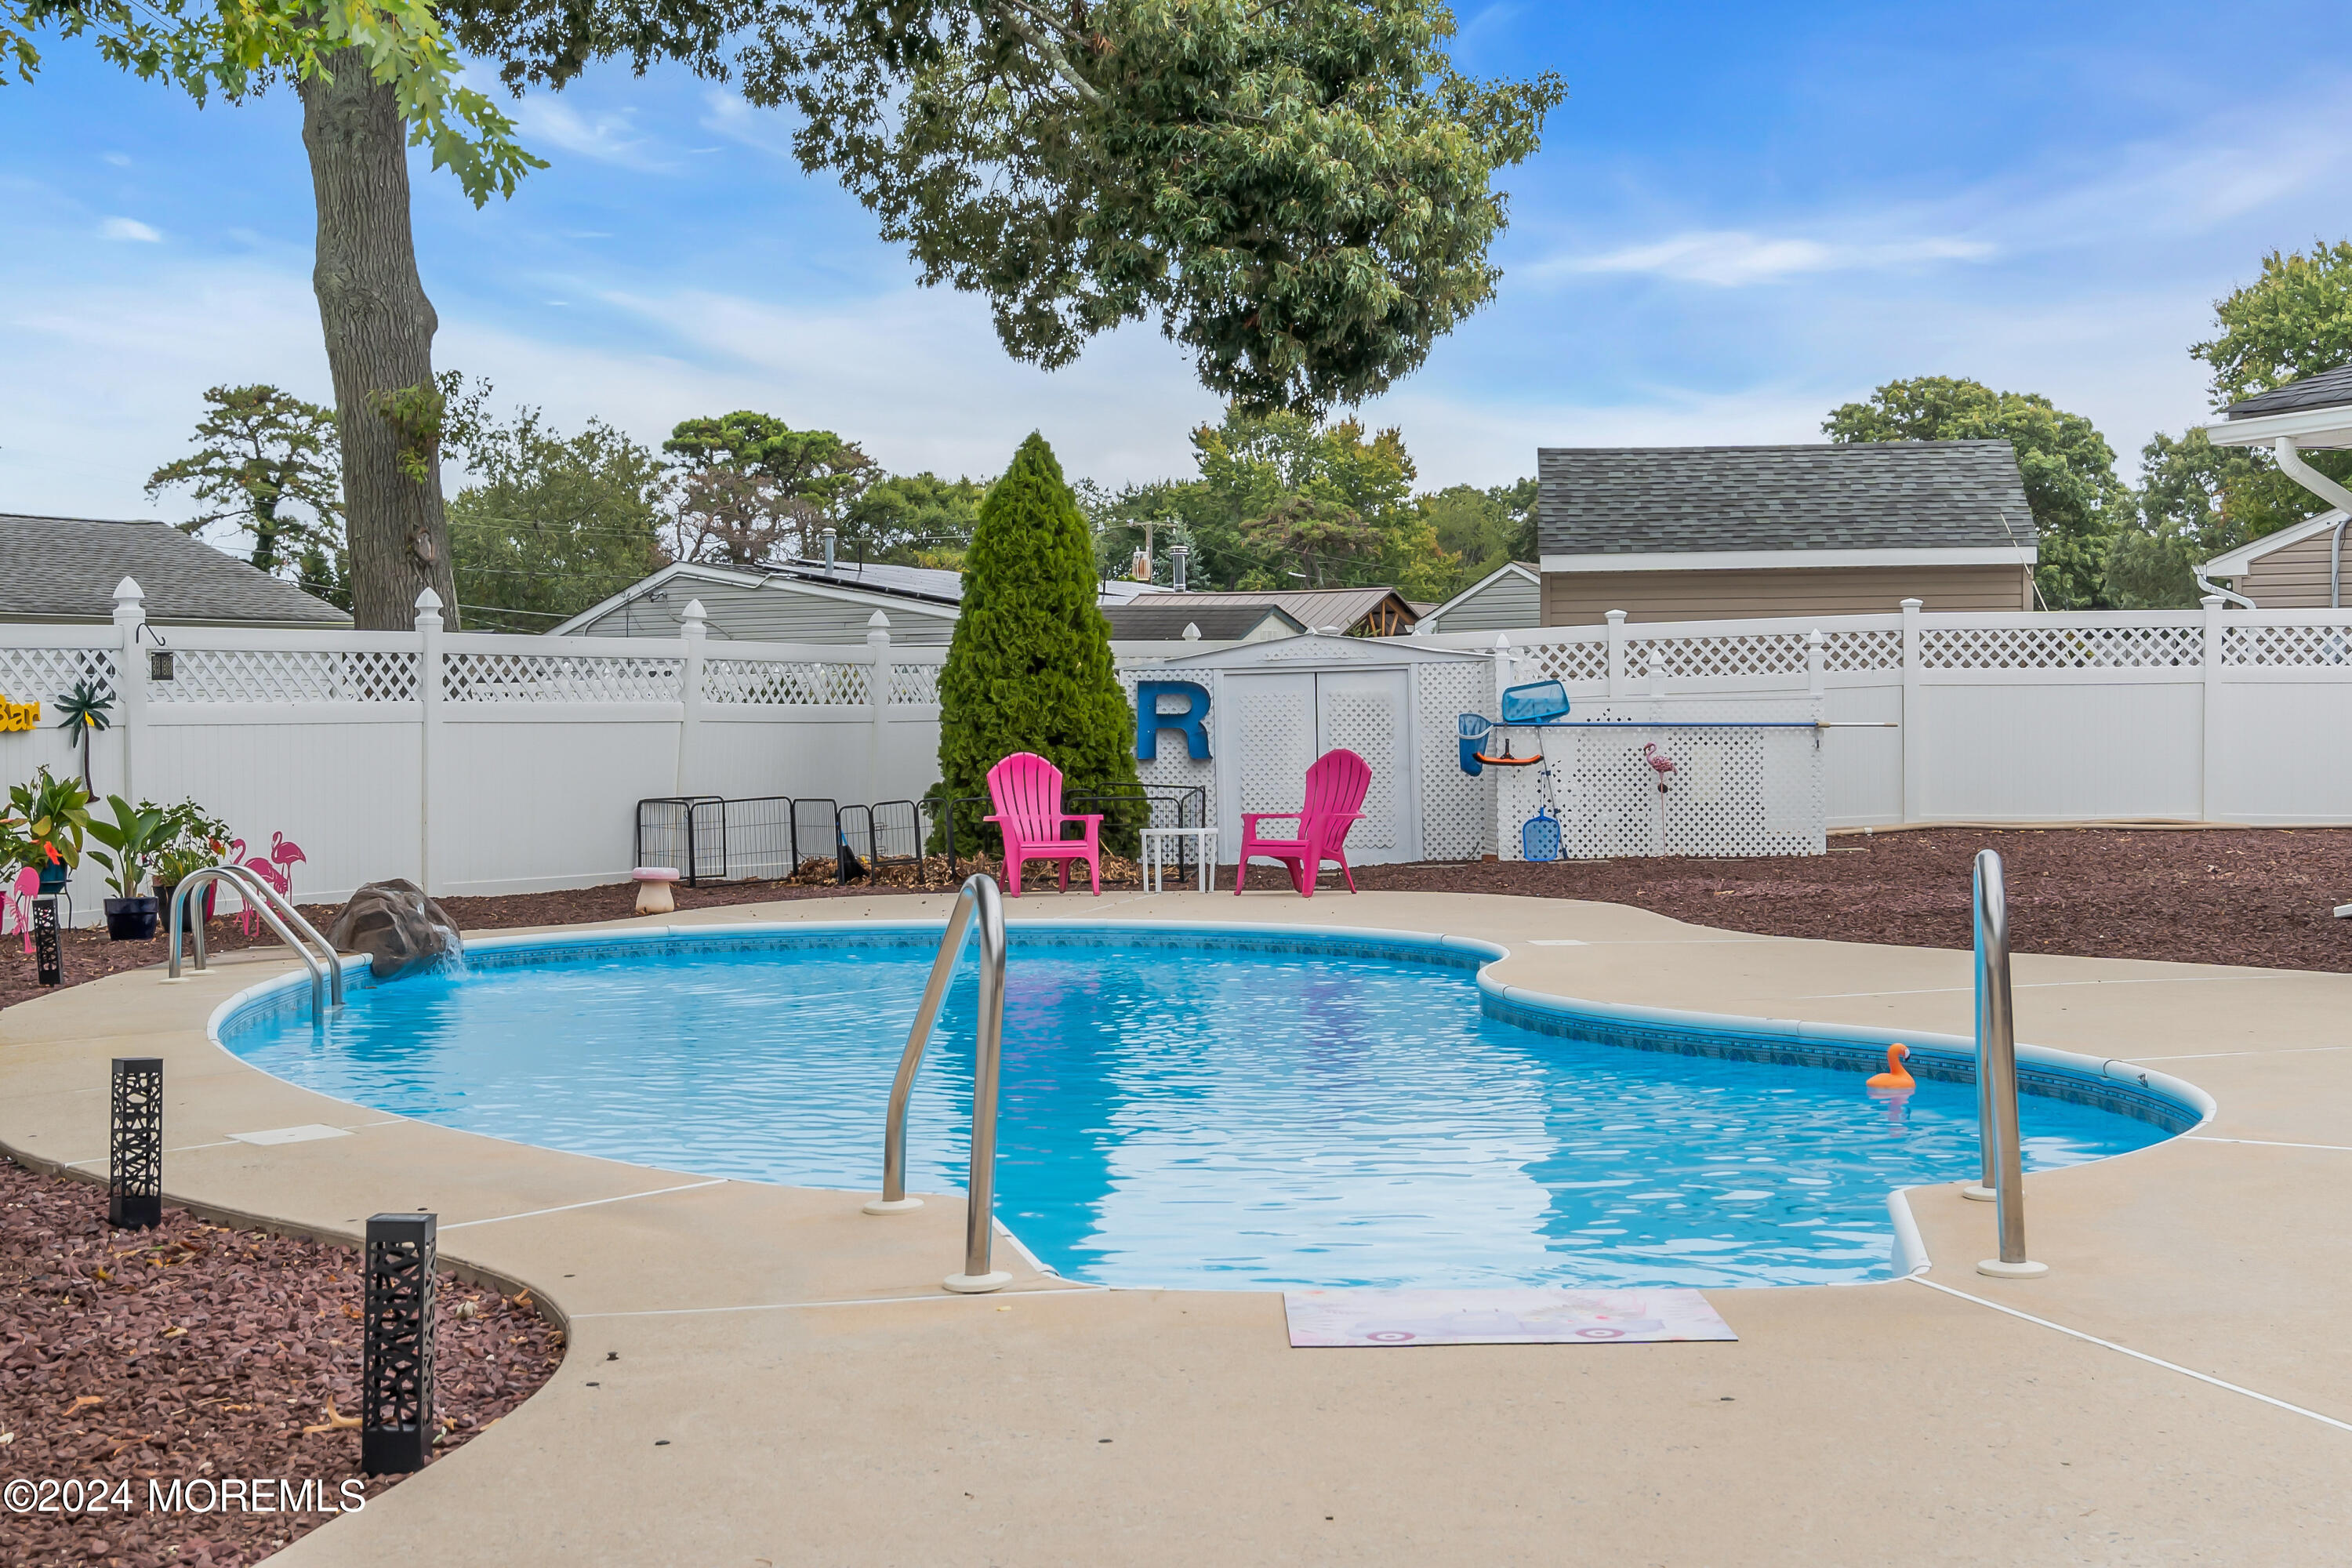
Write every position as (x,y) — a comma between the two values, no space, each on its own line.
(694,615)
(877,619)
(1815,638)
(1191,631)
(1914,604)
(2213,601)
(428,601)
(129,595)
(1616,618)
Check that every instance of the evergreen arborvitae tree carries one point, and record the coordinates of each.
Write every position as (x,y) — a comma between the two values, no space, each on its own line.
(1030,667)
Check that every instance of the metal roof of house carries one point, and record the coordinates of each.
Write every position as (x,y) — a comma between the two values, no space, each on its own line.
(1155,619)
(2321,390)
(1866,495)
(65,569)
(1313,608)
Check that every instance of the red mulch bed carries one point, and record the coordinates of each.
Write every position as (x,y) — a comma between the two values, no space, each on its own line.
(193,1351)
(2260,896)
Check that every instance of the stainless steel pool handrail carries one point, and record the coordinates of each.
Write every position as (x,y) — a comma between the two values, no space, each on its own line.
(978,903)
(2004,1166)
(326,968)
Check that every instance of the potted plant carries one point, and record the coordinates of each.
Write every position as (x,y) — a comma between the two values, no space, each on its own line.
(188,841)
(131,846)
(49,815)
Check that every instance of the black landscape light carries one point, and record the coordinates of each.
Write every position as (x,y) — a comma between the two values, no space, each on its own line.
(134,1181)
(396,1362)
(49,954)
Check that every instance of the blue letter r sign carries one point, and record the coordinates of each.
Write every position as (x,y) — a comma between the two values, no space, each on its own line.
(1150,721)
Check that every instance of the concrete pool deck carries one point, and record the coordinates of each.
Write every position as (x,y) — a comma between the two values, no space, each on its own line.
(823,1402)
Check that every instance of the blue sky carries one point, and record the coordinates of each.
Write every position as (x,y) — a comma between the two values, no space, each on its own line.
(1743,215)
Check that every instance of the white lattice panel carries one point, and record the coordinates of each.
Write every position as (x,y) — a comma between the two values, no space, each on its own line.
(1571,663)
(286,674)
(2061,647)
(1760,653)
(46,674)
(1862,650)
(1368,723)
(558,678)
(1457,810)
(918,683)
(1172,766)
(807,685)
(2287,647)
(1278,741)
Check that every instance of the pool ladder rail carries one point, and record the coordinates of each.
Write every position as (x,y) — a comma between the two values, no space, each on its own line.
(978,903)
(318,955)
(2002,1161)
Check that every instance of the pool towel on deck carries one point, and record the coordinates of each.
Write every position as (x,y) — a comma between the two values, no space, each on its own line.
(1539,1316)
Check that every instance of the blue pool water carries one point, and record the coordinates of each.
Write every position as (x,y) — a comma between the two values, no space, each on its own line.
(1181,1114)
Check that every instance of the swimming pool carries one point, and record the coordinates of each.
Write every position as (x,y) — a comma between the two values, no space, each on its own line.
(1206,1108)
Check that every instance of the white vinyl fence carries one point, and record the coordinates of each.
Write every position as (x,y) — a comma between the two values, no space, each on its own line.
(481,763)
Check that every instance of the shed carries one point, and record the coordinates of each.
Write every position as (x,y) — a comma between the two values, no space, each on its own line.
(1506,599)
(1369,611)
(65,569)
(1155,620)
(1672,533)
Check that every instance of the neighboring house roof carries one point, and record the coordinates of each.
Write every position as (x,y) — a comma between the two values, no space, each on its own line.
(2322,391)
(1154,620)
(65,569)
(1617,509)
(1317,609)
(1510,571)
(2231,562)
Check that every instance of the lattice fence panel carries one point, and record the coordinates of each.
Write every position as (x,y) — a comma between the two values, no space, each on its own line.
(1569,663)
(286,674)
(807,685)
(2061,647)
(2286,648)
(1277,742)
(1366,722)
(1456,809)
(1864,650)
(916,683)
(1760,653)
(559,678)
(45,674)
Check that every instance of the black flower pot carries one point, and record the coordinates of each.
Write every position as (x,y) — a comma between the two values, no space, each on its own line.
(191,916)
(130,919)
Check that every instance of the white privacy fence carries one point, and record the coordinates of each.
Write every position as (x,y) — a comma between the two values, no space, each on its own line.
(2211,715)
(482,763)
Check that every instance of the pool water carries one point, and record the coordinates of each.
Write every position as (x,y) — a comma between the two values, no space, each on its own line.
(1187,1115)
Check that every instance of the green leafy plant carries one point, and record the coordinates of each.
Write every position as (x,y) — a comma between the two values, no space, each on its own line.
(48,816)
(132,842)
(85,710)
(415,414)
(188,840)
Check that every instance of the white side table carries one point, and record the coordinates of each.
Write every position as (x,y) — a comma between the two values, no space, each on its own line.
(1162,847)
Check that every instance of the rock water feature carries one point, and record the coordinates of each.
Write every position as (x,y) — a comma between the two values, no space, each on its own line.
(402,931)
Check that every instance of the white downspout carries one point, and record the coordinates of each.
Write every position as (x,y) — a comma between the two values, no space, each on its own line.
(2328,490)
(2213,587)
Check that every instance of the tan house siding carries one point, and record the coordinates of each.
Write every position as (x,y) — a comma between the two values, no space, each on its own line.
(1584,598)
(2293,577)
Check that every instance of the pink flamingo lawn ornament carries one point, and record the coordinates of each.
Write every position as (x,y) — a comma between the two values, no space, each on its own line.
(276,869)
(19,895)
(1660,763)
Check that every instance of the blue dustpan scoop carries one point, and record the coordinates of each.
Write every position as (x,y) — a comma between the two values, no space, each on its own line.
(1540,836)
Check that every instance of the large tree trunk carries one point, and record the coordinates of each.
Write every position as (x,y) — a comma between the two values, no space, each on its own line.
(379,329)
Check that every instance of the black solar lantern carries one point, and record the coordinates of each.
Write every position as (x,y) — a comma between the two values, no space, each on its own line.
(396,1362)
(47,947)
(134,1182)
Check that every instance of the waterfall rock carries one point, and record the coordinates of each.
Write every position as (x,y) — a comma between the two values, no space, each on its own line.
(399,929)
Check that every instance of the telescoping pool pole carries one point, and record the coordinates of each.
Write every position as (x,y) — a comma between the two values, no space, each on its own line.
(2003,1163)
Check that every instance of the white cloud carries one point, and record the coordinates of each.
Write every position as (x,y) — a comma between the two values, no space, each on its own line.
(763,130)
(130,229)
(119,160)
(1732,258)
(608,138)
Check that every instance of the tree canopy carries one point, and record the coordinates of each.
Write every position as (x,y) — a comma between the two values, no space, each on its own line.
(2292,320)
(2067,465)
(758,483)
(258,451)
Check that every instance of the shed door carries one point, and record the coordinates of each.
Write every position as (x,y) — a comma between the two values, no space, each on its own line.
(1265,722)
(1367,711)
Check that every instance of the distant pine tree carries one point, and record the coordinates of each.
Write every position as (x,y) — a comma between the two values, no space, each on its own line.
(1029,669)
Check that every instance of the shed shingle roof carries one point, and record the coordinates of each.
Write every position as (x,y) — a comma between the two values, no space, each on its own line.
(1313,608)
(2321,390)
(1155,619)
(1869,495)
(66,568)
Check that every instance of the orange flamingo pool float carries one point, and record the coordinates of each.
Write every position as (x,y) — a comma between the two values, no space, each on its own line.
(1894,1076)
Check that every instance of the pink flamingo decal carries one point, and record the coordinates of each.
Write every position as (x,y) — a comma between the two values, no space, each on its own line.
(19,894)
(1660,763)
(275,869)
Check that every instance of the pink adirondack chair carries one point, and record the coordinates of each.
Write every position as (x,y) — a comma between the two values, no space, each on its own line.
(1336,786)
(1026,791)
